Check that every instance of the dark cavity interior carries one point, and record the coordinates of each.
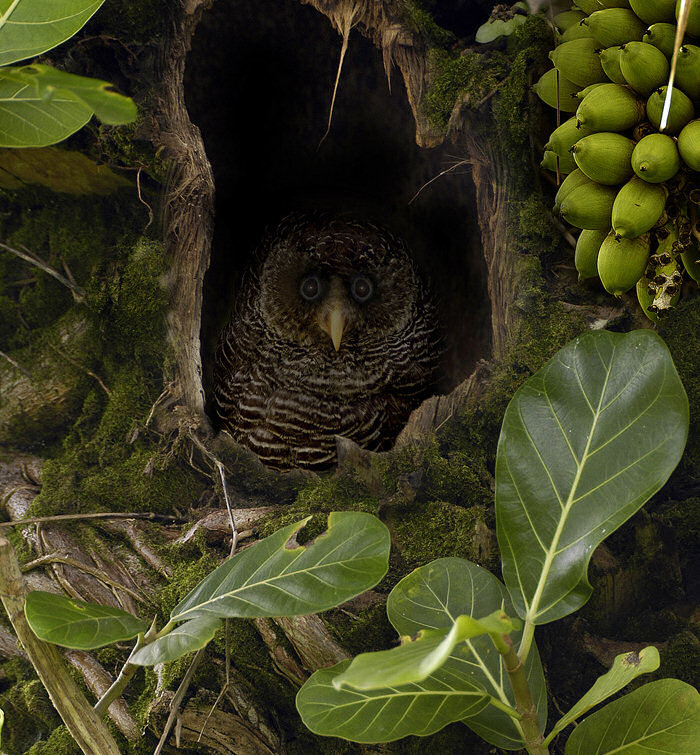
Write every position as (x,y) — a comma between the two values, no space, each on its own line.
(259,82)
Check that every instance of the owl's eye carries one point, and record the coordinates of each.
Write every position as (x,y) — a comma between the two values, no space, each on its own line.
(310,288)
(361,288)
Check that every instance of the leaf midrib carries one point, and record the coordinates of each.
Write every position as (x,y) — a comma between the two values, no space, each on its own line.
(533,612)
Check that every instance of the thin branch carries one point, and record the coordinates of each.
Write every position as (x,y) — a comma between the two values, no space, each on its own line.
(439,175)
(29,256)
(17,365)
(81,367)
(149,515)
(142,200)
(234,531)
(53,558)
(564,232)
(177,700)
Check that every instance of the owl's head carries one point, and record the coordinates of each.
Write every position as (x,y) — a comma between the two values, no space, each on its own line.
(333,282)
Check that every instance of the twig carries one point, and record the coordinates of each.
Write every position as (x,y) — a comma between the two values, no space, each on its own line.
(149,515)
(53,558)
(26,373)
(564,232)
(439,175)
(29,256)
(81,367)
(234,531)
(142,200)
(177,700)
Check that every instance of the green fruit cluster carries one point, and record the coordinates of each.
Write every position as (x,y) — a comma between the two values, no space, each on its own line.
(632,186)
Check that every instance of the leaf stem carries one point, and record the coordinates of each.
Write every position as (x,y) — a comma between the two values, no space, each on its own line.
(526,640)
(524,704)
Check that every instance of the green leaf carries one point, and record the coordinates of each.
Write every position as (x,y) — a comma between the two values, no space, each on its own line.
(30,27)
(277,577)
(77,624)
(184,638)
(661,717)
(414,660)
(432,597)
(26,120)
(584,443)
(626,667)
(383,715)
(109,106)
(58,169)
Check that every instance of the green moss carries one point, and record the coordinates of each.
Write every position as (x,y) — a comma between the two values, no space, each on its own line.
(417,17)
(445,530)
(454,75)
(27,708)
(679,329)
(680,659)
(136,21)
(59,742)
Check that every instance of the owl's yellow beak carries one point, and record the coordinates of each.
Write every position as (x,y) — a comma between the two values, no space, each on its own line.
(334,324)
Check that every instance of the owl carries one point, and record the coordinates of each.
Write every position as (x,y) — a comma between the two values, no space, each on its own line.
(333,333)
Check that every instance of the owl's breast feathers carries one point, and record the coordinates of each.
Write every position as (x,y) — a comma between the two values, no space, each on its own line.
(287,401)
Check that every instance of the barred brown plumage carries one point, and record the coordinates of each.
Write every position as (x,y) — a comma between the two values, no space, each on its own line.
(333,333)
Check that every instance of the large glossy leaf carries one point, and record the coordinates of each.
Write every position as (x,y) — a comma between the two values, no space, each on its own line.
(584,443)
(109,106)
(661,717)
(184,638)
(278,577)
(432,596)
(626,667)
(77,624)
(27,120)
(30,27)
(383,715)
(414,660)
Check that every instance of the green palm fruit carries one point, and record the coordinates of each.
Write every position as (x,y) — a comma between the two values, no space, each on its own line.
(546,90)
(688,70)
(691,262)
(663,37)
(680,113)
(604,157)
(637,207)
(693,27)
(575,32)
(578,97)
(568,18)
(586,254)
(654,11)
(655,158)
(610,60)
(611,107)
(621,262)
(689,144)
(565,136)
(589,206)
(643,66)
(578,61)
(589,6)
(566,162)
(573,180)
(615,26)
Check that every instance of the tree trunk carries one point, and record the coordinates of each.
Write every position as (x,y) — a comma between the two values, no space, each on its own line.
(104,402)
